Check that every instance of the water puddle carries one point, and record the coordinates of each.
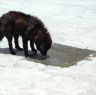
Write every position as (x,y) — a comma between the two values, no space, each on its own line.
(63,56)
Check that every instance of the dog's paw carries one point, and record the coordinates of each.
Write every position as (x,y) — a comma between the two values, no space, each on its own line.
(19,49)
(34,51)
(13,52)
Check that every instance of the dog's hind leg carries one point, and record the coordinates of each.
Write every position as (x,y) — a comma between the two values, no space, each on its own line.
(16,43)
(25,47)
(8,33)
(10,45)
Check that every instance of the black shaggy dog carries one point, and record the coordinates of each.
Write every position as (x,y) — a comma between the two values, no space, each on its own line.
(15,24)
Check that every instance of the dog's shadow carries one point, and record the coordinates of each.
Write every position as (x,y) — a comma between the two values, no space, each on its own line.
(4,50)
(37,56)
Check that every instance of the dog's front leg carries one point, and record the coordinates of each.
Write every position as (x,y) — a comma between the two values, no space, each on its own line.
(32,47)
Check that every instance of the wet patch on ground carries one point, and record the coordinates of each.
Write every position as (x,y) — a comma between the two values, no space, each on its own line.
(63,56)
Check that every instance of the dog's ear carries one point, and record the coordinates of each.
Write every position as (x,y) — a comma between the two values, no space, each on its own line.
(29,28)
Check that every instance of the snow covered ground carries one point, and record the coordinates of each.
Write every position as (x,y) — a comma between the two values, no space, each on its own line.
(70,22)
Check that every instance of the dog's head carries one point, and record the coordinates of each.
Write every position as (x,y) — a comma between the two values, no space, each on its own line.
(43,41)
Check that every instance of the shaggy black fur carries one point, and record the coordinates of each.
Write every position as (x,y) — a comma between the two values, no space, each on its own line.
(15,24)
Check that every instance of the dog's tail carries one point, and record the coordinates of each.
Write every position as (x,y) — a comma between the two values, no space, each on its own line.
(1,34)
